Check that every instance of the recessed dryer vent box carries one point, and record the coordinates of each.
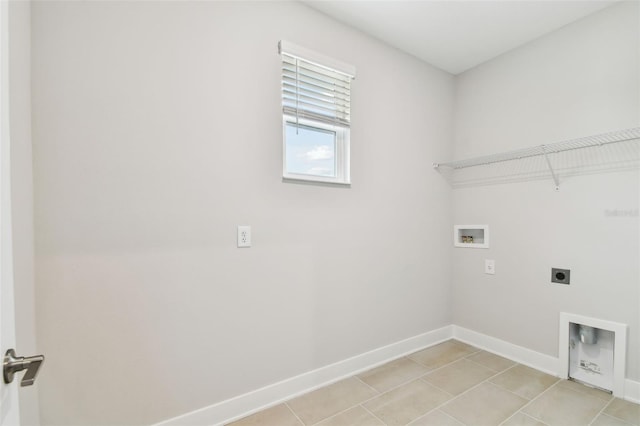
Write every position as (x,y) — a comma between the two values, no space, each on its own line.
(593,351)
(472,236)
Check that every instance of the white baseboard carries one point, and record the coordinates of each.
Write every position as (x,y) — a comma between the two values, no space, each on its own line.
(545,363)
(268,396)
(632,391)
(251,402)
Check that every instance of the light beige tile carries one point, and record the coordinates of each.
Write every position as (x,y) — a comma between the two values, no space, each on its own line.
(579,387)
(280,415)
(624,410)
(470,348)
(459,376)
(489,360)
(406,403)
(521,419)
(524,381)
(486,404)
(604,420)
(561,406)
(442,354)
(325,402)
(393,374)
(435,418)
(356,416)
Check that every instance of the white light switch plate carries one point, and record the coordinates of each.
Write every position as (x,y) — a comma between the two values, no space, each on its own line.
(489,266)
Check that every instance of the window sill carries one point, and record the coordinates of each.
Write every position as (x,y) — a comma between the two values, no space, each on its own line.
(316,182)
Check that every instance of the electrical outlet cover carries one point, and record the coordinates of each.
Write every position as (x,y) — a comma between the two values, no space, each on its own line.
(244,236)
(489,266)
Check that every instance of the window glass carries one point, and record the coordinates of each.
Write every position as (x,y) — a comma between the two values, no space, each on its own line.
(310,151)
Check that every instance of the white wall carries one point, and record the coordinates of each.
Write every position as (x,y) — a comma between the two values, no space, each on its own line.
(22,194)
(578,81)
(157,130)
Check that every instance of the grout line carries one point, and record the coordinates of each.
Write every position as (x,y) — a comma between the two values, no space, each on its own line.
(614,418)
(412,379)
(368,385)
(442,366)
(524,414)
(521,412)
(476,352)
(391,389)
(520,396)
(450,416)
(373,414)
(379,393)
(453,397)
(618,418)
(484,366)
(355,376)
(334,415)
(442,390)
(602,411)
(531,401)
(463,393)
(360,404)
(369,369)
(468,358)
(433,410)
(294,413)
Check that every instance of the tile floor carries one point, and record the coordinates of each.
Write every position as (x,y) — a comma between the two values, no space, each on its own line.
(451,384)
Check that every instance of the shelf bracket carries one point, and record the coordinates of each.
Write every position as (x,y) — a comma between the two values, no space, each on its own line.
(553,173)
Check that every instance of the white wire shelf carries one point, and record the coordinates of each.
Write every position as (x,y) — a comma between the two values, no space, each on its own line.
(586,142)
(544,151)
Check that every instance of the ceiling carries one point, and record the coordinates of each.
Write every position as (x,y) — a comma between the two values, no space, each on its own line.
(457,35)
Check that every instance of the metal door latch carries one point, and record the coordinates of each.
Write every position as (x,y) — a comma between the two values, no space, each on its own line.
(12,364)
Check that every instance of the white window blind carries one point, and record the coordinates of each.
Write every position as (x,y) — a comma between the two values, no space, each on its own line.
(315,87)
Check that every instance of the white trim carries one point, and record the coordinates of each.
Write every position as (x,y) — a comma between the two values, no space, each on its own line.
(632,391)
(542,362)
(619,350)
(251,402)
(317,58)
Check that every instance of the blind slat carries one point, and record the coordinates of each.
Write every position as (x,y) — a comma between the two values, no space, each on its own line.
(294,113)
(315,92)
(313,67)
(313,86)
(310,81)
(291,93)
(329,112)
(322,79)
(294,50)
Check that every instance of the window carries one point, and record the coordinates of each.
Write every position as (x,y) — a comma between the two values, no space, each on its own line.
(316,116)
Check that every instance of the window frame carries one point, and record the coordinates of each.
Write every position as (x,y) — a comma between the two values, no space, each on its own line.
(315,112)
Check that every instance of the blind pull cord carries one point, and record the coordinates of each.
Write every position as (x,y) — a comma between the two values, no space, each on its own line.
(297,97)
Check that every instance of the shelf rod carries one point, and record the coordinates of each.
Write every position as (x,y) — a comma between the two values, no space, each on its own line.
(553,174)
